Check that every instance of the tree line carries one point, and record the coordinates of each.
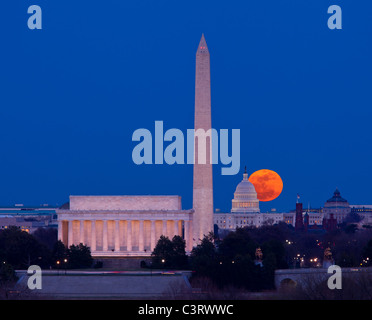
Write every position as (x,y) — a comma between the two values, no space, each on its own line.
(227,261)
(231,260)
(19,250)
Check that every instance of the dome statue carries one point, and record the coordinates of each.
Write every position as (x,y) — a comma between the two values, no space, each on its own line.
(328,260)
(258,255)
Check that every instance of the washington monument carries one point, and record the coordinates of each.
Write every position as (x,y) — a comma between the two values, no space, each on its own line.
(203,177)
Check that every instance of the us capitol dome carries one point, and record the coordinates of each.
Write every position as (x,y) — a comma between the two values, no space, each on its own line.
(245,197)
(245,211)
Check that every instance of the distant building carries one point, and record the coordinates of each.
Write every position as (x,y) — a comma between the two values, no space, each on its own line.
(337,206)
(299,222)
(361,209)
(28,218)
(306,222)
(364,211)
(245,197)
(314,217)
(8,221)
(245,210)
(329,222)
(289,218)
(231,221)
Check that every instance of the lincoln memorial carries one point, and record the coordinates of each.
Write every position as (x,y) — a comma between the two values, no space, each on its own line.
(123,225)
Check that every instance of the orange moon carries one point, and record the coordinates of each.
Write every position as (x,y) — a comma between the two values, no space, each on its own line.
(267,183)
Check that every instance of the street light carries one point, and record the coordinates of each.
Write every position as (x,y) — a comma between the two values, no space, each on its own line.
(65,261)
(58,262)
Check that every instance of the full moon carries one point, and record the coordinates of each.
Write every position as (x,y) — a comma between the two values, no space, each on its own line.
(267,183)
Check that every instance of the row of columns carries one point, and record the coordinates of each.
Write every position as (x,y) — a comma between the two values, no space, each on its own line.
(141,238)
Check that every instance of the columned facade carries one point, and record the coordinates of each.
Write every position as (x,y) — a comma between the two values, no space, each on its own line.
(122,232)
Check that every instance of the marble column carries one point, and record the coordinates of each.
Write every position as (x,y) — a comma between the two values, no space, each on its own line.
(152,235)
(141,246)
(82,231)
(188,235)
(93,245)
(129,235)
(105,242)
(70,234)
(176,229)
(186,232)
(60,230)
(164,231)
(117,239)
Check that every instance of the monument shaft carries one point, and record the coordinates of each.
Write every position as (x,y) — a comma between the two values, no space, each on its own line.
(203,177)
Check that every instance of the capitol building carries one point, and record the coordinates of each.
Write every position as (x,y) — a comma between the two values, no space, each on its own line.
(245,210)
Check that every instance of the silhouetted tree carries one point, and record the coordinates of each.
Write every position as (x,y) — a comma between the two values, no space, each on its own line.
(277,249)
(79,256)
(367,253)
(203,258)
(21,249)
(46,236)
(179,257)
(7,273)
(161,256)
(231,262)
(237,243)
(7,279)
(350,228)
(352,217)
(169,253)
(59,253)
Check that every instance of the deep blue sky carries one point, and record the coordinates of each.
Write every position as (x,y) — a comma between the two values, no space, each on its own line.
(72,94)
